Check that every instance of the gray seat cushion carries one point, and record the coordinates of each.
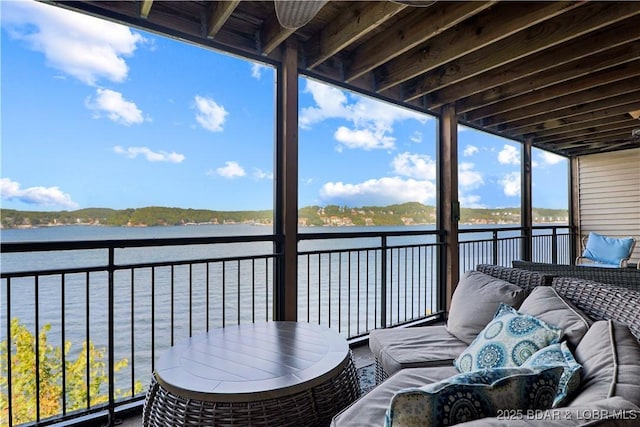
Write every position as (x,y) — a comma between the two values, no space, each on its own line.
(610,358)
(484,293)
(422,346)
(369,410)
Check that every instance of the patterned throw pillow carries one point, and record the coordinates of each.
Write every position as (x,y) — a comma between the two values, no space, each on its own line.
(474,395)
(507,341)
(558,355)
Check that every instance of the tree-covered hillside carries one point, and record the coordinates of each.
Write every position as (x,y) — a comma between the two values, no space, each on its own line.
(331,215)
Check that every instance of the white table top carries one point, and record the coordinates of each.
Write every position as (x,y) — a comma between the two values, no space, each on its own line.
(252,361)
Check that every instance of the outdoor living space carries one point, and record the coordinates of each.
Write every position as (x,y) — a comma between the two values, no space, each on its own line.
(556,81)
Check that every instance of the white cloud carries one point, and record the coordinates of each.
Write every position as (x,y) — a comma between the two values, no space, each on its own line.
(470,150)
(416,137)
(511,184)
(330,103)
(260,174)
(470,201)
(231,170)
(363,138)
(256,70)
(41,196)
(509,155)
(115,107)
(379,192)
(152,156)
(367,116)
(79,45)
(469,178)
(419,166)
(210,115)
(550,158)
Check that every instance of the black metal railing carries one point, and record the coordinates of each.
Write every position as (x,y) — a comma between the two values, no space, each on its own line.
(113,310)
(359,281)
(110,301)
(552,245)
(499,246)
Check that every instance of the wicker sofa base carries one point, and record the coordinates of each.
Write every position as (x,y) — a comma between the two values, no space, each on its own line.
(626,277)
(312,407)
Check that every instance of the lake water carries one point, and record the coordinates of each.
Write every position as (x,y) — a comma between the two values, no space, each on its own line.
(165,304)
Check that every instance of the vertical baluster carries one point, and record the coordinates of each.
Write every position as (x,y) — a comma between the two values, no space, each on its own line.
(358,292)
(37,335)
(383,284)
(349,297)
(319,288)
(112,353)
(153,318)
(63,285)
(88,337)
(9,340)
(132,342)
(329,290)
(206,296)
(224,294)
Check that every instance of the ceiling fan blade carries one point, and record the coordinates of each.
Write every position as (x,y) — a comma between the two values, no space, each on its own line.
(294,14)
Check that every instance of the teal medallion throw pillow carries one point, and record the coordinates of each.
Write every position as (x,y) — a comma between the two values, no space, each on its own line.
(558,355)
(474,395)
(507,341)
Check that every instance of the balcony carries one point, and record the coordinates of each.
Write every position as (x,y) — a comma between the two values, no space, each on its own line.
(558,76)
(133,299)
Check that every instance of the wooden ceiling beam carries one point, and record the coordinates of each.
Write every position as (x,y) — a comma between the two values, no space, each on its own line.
(601,148)
(550,77)
(604,83)
(537,38)
(586,149)
(512,79)
(473,34)
(219,12)
(581,101)
(589,137)
(355,21)
(597,110)
(580,129)
(273,34)
(416,28)
(145,8)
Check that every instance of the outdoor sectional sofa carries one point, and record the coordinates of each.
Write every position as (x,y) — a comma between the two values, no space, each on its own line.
(599,325)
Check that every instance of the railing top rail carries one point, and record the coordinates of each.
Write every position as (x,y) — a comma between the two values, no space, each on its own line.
(365,234)
(370,248)
(116,267)
(543,227)
(509,228)
(7,247)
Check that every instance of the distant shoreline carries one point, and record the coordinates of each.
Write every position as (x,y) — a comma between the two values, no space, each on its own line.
(406,214)
(31,227)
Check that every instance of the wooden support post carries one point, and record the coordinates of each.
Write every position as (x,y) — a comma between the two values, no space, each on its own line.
(448,203)
(574,208)
(526,216)
(285,300)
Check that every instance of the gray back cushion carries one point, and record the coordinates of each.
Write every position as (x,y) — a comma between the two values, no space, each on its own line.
(476,300)
(546,304)
(610,358)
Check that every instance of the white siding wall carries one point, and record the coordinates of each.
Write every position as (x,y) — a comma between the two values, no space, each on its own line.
(609,195)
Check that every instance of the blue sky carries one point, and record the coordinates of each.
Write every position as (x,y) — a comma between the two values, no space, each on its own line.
(95,114)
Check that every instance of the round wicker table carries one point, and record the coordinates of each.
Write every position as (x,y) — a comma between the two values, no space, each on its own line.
(262,374)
